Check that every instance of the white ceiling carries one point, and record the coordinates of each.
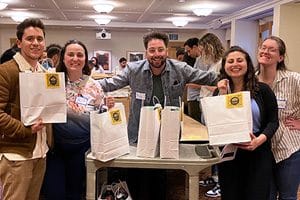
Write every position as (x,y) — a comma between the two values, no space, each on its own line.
(132,14)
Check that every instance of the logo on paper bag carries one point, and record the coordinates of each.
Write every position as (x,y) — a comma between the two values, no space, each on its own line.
(234,100)
(115,116)
(52,80)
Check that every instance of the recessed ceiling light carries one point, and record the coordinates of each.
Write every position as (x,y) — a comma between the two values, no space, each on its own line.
(103,8)
(19,18)
(180,22)
(102,21)
(202,11)
(3,5)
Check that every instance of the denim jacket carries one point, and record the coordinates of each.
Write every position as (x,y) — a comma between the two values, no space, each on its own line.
(138,76)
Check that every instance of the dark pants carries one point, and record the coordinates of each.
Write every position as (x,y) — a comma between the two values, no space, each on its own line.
(248,176)
(65,172)
(194,110)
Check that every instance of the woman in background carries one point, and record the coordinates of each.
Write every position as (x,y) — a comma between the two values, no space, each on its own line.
(65,172)
(248,176)
(286,141)
(212,50)
(97,67)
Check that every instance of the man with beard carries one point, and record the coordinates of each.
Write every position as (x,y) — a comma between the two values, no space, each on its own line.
(165,79)
(157,75)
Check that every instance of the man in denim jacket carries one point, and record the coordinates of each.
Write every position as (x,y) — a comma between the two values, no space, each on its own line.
(157,76)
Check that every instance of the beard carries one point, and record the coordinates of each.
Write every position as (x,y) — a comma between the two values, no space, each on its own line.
(157,62)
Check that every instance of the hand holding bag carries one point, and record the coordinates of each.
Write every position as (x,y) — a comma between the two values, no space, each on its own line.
(109,138)
(228,118)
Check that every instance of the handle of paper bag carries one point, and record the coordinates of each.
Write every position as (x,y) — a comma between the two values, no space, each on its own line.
(228,88)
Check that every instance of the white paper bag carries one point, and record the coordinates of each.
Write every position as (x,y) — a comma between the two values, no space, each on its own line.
(169,132)
(228,118)
(148,137)
(109,138)
(42,95)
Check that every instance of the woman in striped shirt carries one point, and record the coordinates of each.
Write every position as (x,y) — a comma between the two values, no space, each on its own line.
(286,141)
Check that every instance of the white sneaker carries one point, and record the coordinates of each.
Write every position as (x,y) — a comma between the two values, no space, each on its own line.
(215,192)
(207,182)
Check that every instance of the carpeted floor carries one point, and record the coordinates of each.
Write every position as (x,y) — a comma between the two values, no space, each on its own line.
(176,185)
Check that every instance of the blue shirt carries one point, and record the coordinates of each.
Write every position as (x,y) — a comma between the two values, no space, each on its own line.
(138,76)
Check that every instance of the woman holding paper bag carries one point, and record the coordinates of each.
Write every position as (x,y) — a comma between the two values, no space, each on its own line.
(286,141)
(65,173)
(248,175)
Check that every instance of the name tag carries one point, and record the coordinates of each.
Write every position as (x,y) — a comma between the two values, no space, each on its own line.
(140,96)
(281,103)
(81,101)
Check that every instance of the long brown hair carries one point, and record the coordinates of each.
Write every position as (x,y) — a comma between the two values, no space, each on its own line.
(62,67)
(250,80)
(282,52)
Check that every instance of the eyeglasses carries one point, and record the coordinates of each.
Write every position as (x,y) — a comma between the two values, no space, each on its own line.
(268,49)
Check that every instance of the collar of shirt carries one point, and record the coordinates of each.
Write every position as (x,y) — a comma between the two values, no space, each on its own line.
(24,66)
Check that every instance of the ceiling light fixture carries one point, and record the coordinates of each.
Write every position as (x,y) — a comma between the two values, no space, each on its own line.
(3,5)
(102,21)
(203,11)
(19,18)
(180,22)
(103,8)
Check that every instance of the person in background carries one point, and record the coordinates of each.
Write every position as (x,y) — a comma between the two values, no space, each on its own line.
(53,52)
(190,61)
(122,64)
(180,54)
(286,141)
(248,176)
(157,76)
(65,172)
(97,67)
(212,51)
(51,61)
(22,148)
(192,50)
(9,53)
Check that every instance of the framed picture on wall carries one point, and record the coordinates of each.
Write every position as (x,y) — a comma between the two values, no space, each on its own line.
(104,58)
(135,56)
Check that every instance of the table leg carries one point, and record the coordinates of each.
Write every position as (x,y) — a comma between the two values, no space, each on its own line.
(91,185)
(194,186)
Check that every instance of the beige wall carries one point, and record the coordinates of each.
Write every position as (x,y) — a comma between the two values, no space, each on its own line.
(289,29)
(119,45)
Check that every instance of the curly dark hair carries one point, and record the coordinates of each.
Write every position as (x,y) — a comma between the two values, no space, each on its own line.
(29,22)
(250,80)
(62,67)
(155,35)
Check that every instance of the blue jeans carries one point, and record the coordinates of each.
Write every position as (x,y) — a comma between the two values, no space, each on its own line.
(286,178)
